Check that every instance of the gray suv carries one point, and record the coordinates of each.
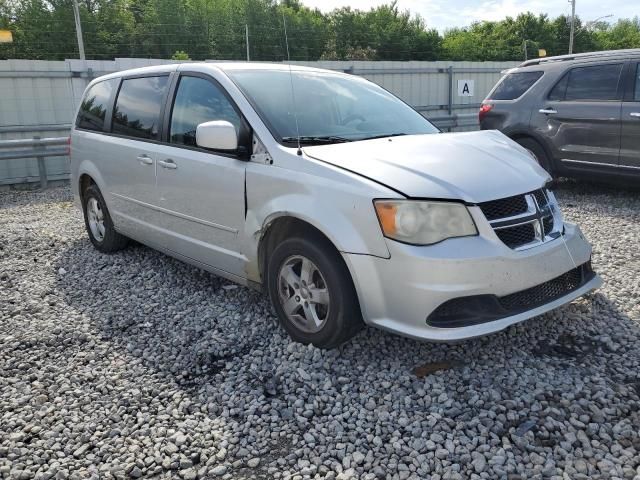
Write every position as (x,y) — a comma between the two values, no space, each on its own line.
(579,115)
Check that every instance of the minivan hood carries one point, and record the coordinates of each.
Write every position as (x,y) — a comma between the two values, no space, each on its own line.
(470,166)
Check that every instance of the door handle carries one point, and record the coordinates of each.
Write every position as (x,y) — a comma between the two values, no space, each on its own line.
(548,111)
(170,164)
(145,160)
(635,114)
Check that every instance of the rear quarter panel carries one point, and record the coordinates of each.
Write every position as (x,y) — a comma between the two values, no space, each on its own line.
(514,117)
(508,116)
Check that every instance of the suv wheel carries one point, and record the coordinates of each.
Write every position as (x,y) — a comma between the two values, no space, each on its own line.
(98,223)
(312,292)
(538,152)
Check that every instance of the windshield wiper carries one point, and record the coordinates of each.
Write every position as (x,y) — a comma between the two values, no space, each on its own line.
(313,140)
(399,134)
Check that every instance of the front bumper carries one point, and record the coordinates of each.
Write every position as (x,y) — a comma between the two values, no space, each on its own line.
(400,293)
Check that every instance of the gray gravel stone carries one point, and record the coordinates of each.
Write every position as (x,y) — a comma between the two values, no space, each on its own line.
(135,364)
(219,471)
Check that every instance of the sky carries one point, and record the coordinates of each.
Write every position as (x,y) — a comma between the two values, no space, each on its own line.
(443,14)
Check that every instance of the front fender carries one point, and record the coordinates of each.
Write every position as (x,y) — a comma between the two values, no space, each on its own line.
(342,210)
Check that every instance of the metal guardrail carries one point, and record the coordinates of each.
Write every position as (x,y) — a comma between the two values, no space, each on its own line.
(38,148)
(35,128)
(455,120)
(88,73)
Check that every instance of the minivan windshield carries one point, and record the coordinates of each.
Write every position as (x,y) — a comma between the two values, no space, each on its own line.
(328,108)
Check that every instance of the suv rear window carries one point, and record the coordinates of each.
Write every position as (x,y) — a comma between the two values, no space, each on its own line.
(137,110)
(513,85)
(94,106)
(598,82)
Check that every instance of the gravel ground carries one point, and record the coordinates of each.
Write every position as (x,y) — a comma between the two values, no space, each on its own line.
(136,365)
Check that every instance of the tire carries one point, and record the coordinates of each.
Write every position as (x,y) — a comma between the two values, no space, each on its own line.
(541,156)
(99,225)
(335,321)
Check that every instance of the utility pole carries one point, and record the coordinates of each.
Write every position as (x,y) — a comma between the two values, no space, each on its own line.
(246,35)
(525,50)
(573,25)
(76,14)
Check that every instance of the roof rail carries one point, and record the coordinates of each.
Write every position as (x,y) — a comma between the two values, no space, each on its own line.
(579,56)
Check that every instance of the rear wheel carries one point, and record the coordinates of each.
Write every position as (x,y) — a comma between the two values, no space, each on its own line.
(98,222)
(312,292)
(537,151)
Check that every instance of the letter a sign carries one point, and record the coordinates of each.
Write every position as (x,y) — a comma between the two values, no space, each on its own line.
(465,88)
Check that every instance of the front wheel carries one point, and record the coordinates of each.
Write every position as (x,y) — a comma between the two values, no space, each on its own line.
(312,292)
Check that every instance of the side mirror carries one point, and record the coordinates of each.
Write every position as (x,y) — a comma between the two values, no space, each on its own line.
(217,134)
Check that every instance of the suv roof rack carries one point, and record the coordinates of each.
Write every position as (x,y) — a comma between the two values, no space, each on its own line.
(580,56)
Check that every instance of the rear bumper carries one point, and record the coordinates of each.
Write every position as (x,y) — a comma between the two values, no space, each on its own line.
(402,294)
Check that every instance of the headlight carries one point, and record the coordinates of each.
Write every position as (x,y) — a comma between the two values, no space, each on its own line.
(423,222)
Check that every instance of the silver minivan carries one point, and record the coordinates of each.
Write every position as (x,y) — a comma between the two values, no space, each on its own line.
(329,193)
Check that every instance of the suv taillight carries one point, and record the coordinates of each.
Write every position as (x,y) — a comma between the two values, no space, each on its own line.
(484,109)
(69,145)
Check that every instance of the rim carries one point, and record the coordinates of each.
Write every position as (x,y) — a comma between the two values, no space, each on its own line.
(303,294)
(95,217)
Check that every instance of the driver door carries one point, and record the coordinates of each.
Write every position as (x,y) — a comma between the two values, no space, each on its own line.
(581,116)
(200,191)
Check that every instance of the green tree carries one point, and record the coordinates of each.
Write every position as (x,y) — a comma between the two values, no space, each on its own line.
(623,34)
(506,39)
(583,40)
(215,29)
(107,27)
(161,30)
(307,30)
(41,30)
(390,33)
(180,55)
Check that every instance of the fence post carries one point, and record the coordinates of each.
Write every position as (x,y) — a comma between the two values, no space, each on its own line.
(450,99)
(42,167)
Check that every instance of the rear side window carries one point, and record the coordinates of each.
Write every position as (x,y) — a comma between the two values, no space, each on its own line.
(198,101)
(513,85)
(137,110)
(636,95)
(560,88)
(599,82)
(94,106)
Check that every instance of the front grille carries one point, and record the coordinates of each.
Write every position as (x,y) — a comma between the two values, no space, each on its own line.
(514,237)
(504,207)
(548,291)
(522,221)
(541,198)
(476,309)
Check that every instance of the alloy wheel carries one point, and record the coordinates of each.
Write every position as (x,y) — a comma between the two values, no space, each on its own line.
(303,293)
(95,217)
